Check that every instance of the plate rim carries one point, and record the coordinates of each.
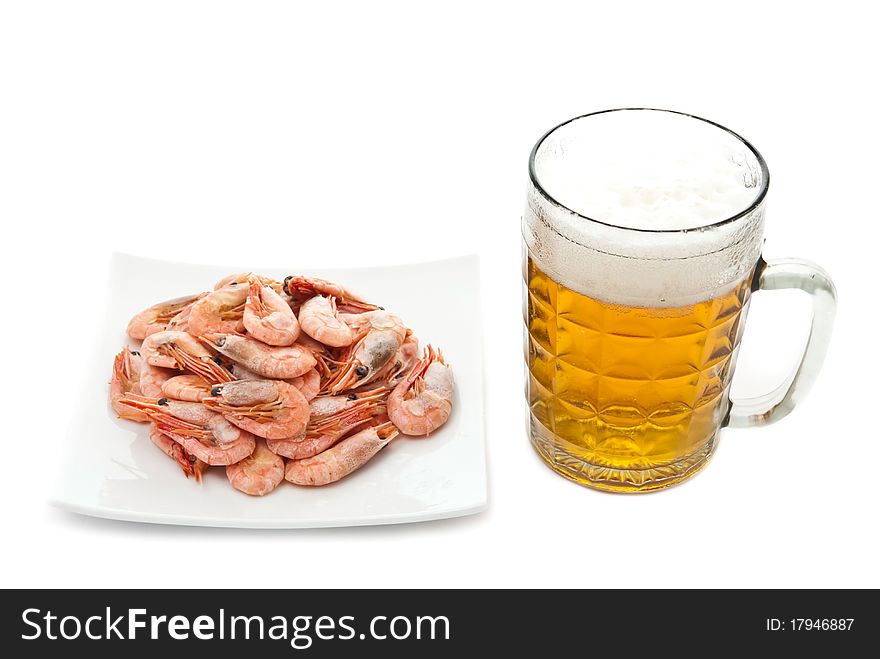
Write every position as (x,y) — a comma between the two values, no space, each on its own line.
(119,515)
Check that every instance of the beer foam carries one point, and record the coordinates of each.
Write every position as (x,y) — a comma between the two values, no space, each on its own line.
(661,188)
(664,172)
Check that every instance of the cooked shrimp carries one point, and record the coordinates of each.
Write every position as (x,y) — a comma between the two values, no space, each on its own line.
(190,464)
(319,319)
(302,288)
(192,388)
(221,310)
(381,335)
(268,318)
(279,363)
(126,378)
(422,401)
(266,408)
(321,434)
(156,318)
(339,461)
(309,384)
(172,349)
(303,381)
(259,473)
(200,431)
(324,406)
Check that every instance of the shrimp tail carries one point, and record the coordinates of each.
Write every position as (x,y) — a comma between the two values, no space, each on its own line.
(198,469)
(254,294)
(120,366)
(189,464)
(255,298)
(122,382)
(181,458)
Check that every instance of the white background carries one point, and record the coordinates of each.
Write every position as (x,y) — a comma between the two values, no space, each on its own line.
(306,134)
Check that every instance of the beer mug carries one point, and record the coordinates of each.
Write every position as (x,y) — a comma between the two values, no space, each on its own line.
(642,246)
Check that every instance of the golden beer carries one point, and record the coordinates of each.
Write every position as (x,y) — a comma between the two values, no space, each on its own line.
(642,236)
(625,397)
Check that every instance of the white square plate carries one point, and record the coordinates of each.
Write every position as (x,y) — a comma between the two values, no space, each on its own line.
(112,469)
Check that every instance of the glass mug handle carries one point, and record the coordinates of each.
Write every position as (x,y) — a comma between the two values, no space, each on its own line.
(808,277)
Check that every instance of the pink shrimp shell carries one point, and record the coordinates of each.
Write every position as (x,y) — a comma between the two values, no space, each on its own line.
(309,384)
(430,409)
(259,473)
(337,462)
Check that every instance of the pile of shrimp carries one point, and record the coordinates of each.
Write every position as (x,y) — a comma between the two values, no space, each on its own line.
(298,380)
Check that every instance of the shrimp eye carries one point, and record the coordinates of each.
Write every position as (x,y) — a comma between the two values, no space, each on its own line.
(136,352)
(352,396)
(361,371)
(218,361)
(162,401)
(220,341)
(215,391)
(286,282)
